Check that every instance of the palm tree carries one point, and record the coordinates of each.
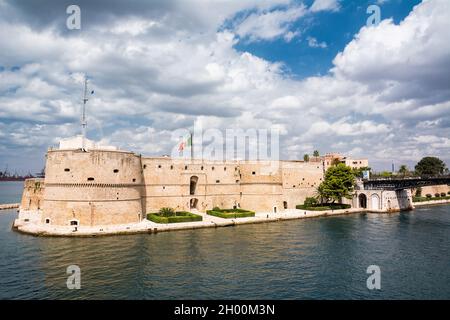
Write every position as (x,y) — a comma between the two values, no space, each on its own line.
(403,170)
(316,153)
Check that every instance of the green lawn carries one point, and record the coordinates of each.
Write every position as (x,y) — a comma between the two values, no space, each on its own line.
(324,207)
(180,216)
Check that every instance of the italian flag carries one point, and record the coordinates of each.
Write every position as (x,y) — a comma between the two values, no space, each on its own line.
(185,143)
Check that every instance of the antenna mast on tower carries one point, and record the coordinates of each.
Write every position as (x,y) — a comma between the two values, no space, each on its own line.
(83,116)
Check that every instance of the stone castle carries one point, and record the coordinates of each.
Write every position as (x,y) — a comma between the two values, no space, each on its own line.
(96,185)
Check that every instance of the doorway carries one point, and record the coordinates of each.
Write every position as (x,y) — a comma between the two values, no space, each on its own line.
(362,201)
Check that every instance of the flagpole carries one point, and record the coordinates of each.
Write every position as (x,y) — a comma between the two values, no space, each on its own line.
(192,145)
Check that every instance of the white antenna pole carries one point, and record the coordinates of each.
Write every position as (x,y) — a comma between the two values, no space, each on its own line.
(83,117)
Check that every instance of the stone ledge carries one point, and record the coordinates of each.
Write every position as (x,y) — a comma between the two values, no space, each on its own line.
(9,206)
(28,222)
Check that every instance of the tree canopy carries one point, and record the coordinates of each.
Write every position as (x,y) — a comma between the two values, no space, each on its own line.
(430,166)
(338,183)
(316,153)
(403,170)
(306,158)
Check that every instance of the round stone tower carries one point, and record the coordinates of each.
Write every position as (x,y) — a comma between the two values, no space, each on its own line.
(91,188)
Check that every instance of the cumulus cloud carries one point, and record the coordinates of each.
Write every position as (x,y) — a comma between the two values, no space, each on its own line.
(313,43)
(325,5)
(160,66)
(271,24)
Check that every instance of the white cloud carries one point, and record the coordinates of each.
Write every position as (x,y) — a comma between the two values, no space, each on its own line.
(268,25)
(385,96)
(325,5)
(313,43)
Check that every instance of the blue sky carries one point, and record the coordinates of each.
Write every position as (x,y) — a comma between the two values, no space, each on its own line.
(335,28)
(311,69)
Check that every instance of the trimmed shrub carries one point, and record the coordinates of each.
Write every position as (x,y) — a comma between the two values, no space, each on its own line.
(310,202)
(437,195)
(179,216)
(230,213)
(448,193)
(428,195)
(442,194)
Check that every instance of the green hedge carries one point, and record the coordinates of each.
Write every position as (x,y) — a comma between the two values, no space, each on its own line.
(180,216)
(323,207)
(422,199)
(230,213)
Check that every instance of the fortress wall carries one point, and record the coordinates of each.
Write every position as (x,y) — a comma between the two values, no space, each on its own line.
(300,180)
(433,190)
(260,172)
(261,196)
(114,196)
(33,194)
(252,185)
(383,200)
(397,200)
(167,183)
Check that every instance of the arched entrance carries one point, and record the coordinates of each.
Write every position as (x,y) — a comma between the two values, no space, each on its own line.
(375,202)
(362,201)
(193,185)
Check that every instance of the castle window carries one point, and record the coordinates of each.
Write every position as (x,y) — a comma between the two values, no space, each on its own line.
(66,169)
(134,179)
(253,173)
(217,181)
(201,168)
(171,167)
(193,185)
(237,181)
(116,170)
(90,179)
(73,222)
(159,166)
(47,221)
(185,167)
(145,166)
(285,204)
(224,168)
(212,168)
